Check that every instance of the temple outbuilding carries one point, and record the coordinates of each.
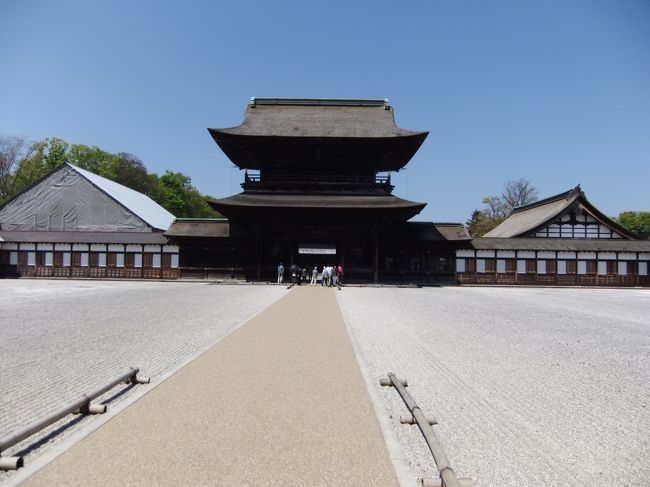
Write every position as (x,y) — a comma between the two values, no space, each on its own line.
(561,240)
(74,223)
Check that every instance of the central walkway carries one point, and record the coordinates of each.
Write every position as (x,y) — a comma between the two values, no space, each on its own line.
(280,401)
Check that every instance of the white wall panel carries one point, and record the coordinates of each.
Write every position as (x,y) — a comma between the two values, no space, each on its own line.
(566,255)
(521,267)
(485,253)
(587,255)
(465,253)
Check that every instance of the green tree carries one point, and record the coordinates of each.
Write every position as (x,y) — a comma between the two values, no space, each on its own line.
(179,197)
(636,221)
(46,155)
(479,224)
(91,158)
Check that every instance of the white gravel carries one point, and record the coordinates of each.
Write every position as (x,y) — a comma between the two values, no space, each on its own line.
(59,339)
(530,386)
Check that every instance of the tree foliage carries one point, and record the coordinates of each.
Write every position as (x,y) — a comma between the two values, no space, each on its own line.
(497,208)
(179,197)
(636,221)
(22,163)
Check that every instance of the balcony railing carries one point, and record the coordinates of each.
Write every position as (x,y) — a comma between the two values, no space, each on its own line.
(254,180)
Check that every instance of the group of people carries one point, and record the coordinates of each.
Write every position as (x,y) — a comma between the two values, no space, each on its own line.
(330,275)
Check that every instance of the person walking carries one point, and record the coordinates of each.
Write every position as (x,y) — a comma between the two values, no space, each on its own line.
(323,281)
(280,273)
(314,276)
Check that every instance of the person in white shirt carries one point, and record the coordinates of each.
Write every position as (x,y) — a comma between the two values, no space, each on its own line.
(314,276)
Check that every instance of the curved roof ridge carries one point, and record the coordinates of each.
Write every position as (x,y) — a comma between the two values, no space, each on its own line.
(550,199)
(346,102)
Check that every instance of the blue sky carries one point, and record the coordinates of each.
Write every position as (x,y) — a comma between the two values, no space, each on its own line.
(557,92)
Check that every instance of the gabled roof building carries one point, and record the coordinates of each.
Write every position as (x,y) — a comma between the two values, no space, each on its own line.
(561,240)
(74,223)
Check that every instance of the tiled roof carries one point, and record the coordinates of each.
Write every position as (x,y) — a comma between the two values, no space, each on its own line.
(278,117)
(568,244)
(199,227)
(527,219)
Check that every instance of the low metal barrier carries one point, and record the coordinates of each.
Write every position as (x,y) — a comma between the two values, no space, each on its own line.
(448,477)
(82,406)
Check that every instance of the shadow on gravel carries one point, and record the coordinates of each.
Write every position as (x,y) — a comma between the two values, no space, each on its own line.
(70,423)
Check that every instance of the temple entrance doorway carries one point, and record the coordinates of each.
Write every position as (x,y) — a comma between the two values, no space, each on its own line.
(312,255)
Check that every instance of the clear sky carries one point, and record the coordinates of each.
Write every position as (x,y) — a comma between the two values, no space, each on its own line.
(557,92)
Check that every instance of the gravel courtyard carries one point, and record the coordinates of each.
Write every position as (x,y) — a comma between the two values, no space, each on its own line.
(61,338)
(530,387)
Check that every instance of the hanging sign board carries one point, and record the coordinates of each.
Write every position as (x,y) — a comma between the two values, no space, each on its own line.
(317,249)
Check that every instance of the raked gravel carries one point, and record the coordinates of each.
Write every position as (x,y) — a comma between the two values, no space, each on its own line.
(530,386)
(62,338)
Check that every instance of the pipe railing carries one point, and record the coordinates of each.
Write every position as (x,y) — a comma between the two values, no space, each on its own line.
(81,405)
(448,477)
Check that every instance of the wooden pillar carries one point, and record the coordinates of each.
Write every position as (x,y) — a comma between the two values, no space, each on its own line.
(376,259)
(258,257)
